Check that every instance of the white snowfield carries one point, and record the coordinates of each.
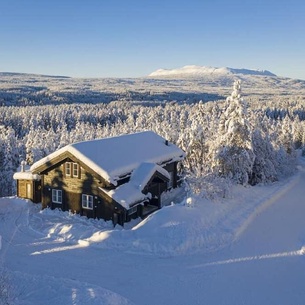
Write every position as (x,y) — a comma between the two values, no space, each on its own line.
(200,71)
(247,250)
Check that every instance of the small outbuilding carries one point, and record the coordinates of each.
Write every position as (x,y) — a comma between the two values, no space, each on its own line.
(28,184)
(117,178)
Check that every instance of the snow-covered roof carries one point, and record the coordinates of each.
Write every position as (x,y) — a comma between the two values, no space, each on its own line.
(141,175)
(26,175)
(117,156)
(131,192)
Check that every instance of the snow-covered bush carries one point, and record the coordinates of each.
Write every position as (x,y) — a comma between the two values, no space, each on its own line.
(210,186)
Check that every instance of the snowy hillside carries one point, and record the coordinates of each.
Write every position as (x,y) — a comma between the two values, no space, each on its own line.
(247,250)
(202,71)
(210,84)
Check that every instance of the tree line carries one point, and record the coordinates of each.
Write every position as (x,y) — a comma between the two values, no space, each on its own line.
(230,141)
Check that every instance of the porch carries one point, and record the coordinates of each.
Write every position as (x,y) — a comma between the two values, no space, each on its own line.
(148,209)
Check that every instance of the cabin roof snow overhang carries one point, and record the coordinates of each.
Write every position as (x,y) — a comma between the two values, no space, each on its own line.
(27,175)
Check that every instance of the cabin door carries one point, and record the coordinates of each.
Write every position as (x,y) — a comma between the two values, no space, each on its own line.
(29,191)
(115,219)
(154,189)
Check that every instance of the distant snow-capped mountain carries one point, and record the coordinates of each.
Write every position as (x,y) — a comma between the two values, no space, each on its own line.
(199,71)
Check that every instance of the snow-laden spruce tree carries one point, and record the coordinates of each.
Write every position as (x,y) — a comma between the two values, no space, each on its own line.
(287,156)
(194,142)
(265,167)
(234,156)
(9,160)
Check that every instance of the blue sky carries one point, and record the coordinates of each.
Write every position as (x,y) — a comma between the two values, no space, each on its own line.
(132,38)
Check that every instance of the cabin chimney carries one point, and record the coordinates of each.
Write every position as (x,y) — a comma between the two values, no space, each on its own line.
(22,166)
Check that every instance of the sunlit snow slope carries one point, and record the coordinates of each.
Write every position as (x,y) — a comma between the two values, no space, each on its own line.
(245,251)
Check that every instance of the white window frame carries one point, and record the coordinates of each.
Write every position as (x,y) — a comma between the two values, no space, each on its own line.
(57,196)
(87,201)
(68,169)
(75,170)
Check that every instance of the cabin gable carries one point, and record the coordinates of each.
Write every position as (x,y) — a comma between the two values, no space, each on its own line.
(77,192)
(65,159)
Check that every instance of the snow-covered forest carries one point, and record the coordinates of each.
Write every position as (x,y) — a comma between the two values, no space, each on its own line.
(233,140)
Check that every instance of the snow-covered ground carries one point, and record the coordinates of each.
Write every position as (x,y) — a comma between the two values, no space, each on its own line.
(244,250)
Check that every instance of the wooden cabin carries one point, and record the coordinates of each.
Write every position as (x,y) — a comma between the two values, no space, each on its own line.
(117,178)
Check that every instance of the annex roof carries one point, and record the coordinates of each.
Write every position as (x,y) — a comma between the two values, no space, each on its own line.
(115,157)
(27,175)
(24,173)
(131,192)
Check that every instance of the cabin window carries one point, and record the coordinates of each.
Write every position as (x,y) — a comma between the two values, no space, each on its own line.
(72,169)
(87,201)
(133,210)
(57,196)
(68,169)
(75,170)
